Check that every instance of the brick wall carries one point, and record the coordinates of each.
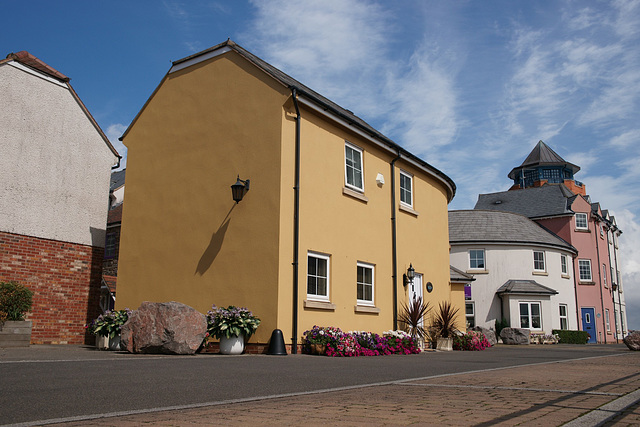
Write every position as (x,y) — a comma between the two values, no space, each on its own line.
(65,280)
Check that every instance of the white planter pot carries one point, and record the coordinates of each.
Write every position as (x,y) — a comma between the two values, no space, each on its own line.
(233,345)
(102,343)
(445,344)
(114,343)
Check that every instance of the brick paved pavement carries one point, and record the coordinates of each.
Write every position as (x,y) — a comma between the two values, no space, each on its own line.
(546,394)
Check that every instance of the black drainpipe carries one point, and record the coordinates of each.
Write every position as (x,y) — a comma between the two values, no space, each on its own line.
(604,324)
(296,226)
(394,246)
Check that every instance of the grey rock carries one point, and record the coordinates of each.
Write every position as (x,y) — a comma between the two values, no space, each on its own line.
(168,328)
(632,341)
(489,334)
(515,336)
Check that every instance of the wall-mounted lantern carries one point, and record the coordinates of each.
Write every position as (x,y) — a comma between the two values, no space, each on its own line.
(409,275)
(239,189)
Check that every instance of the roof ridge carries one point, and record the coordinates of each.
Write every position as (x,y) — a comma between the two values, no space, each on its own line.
(25,58)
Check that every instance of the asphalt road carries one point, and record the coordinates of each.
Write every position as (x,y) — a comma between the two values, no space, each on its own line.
(48,382)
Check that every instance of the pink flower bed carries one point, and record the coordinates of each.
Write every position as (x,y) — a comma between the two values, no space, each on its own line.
(350,344)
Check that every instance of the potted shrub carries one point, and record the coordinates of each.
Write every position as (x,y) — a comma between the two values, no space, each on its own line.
(232,326)
(412,317)
(15,302)
(444,325)
(107,328)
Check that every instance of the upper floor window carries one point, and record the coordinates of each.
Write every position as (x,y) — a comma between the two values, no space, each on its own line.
(476,259)
(584,268)
(365,283)
(604,274)
(601,231)
(317,276)
(581,221)
(538,260)
(110,246)
(353,167)
(406,188)
(563,264)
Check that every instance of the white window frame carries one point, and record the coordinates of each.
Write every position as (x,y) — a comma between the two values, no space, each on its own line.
(403,191)
(484,260)
(586,262)
(353,186)
(564,265)
(604,275)
(529,315)
(372,284)
(586,221)
(564,318)
(327,259)
(472,304)
(608,321)
(537,261)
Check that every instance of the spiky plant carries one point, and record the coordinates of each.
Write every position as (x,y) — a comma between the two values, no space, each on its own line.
(412,317)
(444,321)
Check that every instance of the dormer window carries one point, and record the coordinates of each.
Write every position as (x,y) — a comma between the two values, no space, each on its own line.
(581,221)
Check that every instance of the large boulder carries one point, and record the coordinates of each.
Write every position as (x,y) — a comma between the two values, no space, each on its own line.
(488,334)
(167,327)
(515,336)
(632,341)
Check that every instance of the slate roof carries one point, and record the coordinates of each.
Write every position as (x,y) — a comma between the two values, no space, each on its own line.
(325,103)
(543,155)
(530,287)
(478,226)
(459,276)
(117,179)
(533,202)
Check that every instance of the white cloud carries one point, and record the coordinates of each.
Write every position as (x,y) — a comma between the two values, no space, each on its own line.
(113,132)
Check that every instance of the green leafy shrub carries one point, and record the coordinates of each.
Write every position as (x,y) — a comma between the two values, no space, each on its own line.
(571,337)
(110,323)
(500,325)
(231,321)
(15,301)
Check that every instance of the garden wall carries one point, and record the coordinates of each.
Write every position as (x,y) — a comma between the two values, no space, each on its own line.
(65,279)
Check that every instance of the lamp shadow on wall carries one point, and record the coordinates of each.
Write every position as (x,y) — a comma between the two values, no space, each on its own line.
(211,252)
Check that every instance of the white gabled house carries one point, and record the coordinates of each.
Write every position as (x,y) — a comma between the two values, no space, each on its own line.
(522,272)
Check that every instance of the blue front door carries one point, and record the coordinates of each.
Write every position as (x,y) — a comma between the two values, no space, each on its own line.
(589,323)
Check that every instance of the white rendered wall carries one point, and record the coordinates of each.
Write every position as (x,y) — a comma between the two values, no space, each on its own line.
(54,165)
(507,262)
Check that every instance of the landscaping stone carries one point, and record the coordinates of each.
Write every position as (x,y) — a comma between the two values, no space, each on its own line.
(489,334)
(515,336)
(632,341)
(168,327)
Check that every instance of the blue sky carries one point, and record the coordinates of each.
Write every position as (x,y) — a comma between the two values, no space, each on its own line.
(470,86)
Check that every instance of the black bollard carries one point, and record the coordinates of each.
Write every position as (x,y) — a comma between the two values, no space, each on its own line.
(276,344)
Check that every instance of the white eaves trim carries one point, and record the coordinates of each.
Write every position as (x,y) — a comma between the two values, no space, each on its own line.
(319,109)
(199,59)
(37,74)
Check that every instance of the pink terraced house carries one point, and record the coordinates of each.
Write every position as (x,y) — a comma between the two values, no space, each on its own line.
(545,190)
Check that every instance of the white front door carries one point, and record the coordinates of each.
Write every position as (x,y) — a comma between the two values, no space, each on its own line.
(416,287)
(415,290)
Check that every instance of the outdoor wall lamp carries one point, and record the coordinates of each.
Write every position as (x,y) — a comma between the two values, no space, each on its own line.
(239,189)
(409,275)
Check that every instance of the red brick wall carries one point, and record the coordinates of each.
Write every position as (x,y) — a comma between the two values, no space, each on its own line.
(65,279)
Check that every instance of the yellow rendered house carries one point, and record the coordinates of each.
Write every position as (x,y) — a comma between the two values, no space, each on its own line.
(333,213)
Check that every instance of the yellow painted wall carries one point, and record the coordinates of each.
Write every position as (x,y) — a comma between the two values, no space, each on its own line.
(350,230)
(183,238)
